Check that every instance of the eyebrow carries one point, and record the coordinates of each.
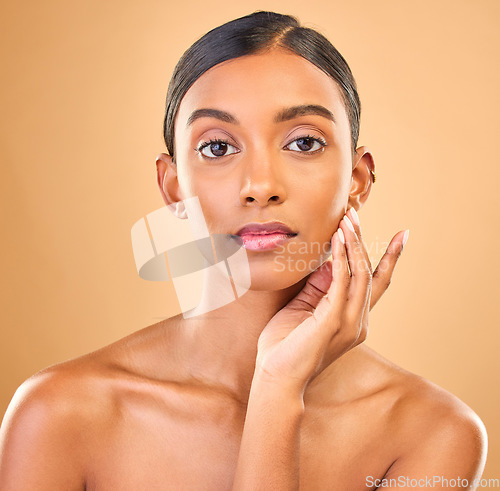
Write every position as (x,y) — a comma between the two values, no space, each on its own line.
(303,110)
(284,115)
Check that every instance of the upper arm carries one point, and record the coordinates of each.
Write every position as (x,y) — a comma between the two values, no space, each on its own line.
(453,447)
(40,445)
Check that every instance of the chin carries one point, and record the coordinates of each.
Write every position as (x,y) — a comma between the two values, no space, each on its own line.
(272,284)
(278,274)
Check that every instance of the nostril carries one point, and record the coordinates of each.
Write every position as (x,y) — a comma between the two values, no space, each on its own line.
(251,199)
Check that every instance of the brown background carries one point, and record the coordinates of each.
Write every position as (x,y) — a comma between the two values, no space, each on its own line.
(82,96)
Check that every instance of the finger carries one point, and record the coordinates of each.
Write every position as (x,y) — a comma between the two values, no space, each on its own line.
(354,338)
(314,290)
(383,273)
(363,333)
(360,271)
(341,277)
(353,216)
(327,318)
(331,306)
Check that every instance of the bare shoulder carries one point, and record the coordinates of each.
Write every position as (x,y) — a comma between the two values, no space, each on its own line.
(74,391)
(63,391)
(423,405)
(434,431)
(85,387)
(88,388)
(384,422)
(59,415)
(46,424)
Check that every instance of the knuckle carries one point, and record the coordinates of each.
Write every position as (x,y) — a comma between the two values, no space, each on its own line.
(344,277)
(383,266)
(364,268)
(346,281)
(357,244)
(396,252)
(366,275)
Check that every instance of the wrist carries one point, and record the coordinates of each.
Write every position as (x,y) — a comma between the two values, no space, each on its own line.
(284,388)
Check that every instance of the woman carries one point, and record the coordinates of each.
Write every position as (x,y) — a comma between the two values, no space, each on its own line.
(275,389)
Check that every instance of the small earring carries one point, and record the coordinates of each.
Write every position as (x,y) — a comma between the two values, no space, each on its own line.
(373,175)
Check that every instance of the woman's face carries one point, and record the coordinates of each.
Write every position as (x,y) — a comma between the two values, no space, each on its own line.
(271,144)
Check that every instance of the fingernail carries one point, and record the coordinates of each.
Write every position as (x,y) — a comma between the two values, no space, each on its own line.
(349,223)
(405,236)
(341,235)
(354,215)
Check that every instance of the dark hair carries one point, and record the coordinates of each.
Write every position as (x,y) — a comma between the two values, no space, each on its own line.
(249,35)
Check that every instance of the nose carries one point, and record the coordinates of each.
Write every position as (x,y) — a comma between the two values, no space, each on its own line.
(262,182)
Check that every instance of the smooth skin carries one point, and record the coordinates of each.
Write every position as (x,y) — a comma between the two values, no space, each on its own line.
(275,390)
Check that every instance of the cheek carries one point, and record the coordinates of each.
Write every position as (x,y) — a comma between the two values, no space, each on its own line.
(215,206)
(205,214)
(326,204)
(334,209)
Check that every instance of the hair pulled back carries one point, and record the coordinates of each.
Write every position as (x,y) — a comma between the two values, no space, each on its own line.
(252,34)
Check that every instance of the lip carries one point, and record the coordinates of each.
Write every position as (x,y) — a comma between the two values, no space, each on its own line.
(256,228)
(264,236)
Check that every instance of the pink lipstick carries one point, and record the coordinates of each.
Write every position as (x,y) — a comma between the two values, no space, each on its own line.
(264,236)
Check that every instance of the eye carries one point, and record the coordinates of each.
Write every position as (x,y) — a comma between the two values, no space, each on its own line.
(306,144)
(216,148)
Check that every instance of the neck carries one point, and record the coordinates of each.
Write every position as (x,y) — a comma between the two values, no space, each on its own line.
(221,344)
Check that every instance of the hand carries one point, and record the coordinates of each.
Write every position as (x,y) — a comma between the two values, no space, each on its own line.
(329,316)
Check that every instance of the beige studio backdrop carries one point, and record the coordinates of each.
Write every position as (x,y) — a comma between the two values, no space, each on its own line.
(82,99)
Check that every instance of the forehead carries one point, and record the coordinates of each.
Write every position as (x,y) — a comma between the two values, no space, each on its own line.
(257,86)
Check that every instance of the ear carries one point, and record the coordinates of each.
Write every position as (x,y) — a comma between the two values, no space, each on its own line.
(166,174)
(361,177)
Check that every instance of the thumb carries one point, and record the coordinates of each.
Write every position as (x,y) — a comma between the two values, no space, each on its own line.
(314,290)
